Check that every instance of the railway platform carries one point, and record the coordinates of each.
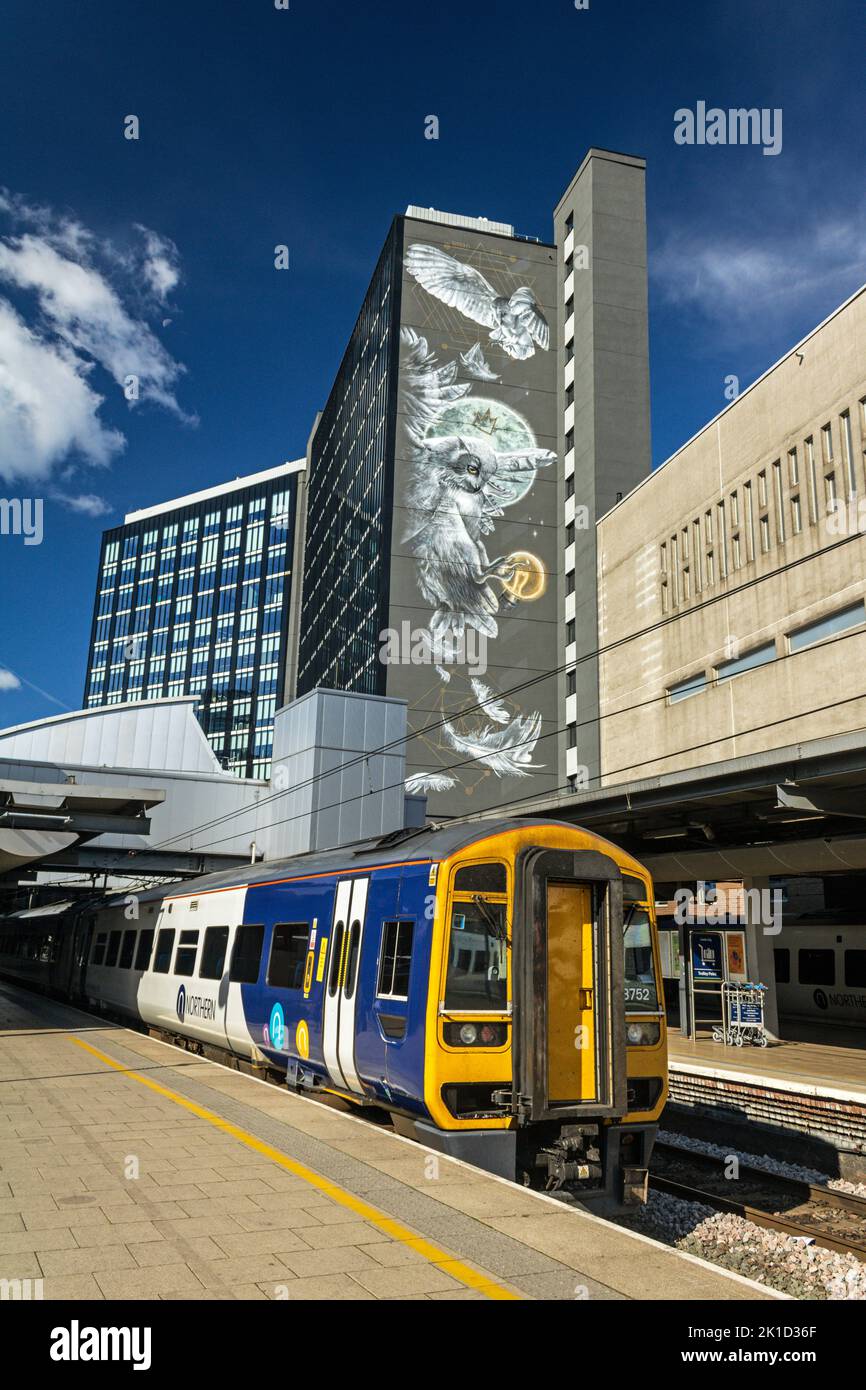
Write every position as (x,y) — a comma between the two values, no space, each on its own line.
(807,1098)
(130,1169)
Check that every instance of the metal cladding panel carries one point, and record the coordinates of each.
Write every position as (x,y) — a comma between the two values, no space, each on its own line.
(474,551)
(340,786)
(160,735)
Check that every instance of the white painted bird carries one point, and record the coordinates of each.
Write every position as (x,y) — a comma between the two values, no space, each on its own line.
(506,751)
(517,324)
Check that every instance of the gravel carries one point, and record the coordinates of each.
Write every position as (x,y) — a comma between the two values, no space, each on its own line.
(764,1162)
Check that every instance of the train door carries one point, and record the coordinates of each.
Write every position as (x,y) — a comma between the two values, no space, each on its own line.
(571,984)
(568,986)
(341,992)
(81,942)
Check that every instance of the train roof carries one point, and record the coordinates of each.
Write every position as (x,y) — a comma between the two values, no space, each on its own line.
(428,842)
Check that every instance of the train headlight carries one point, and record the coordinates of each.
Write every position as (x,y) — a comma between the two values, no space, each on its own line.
(643,1034)
(476,1034)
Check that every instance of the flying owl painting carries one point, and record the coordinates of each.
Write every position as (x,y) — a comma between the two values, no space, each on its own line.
(516,323)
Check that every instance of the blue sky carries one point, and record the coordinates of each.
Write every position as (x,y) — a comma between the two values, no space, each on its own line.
(305,127)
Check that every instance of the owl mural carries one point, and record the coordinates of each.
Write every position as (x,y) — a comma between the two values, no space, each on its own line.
(471,458)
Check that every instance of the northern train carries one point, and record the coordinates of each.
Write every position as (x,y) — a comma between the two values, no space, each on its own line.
(820,969)
(494,987)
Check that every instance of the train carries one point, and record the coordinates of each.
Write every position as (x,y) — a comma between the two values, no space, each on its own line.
(820,969)
(493,987)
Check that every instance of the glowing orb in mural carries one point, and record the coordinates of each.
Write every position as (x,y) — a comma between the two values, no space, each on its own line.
(480,418)
(529,580)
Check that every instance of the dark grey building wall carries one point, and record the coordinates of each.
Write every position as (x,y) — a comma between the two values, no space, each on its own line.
(475,483)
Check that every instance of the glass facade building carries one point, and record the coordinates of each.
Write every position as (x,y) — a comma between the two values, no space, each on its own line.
(193,598)
(349,501)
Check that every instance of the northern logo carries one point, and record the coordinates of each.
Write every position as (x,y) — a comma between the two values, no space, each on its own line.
(820,998)
(181,1002)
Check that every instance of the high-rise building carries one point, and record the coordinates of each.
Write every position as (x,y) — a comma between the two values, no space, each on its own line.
(192,598)
(491,406)
(602,384)
(431,551)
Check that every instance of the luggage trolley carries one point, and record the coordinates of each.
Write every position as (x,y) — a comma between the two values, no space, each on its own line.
(743,1015)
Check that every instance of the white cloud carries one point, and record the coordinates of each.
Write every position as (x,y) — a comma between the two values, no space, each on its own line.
(161,264)
(8,680)
(47,407)
(764,274)
(86,503)
(81,305)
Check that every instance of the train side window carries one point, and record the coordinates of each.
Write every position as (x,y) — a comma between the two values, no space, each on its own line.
(164,948)
(145,946)
(187,950)
(480,878)
(782,962)
(247,955)
(352,958)
(816,967)
(855,969)
(394,959)
(288,955)
(213,956)
(127,950)
(99,948)
(113,947)
(336,957)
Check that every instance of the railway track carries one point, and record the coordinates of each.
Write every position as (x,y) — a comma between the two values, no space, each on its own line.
(835,1220)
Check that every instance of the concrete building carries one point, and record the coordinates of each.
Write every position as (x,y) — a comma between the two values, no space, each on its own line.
(744,555)
(192,598)
(602,384)
(492,405)
(431,549)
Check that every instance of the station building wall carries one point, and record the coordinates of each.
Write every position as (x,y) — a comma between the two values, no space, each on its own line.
(734,576)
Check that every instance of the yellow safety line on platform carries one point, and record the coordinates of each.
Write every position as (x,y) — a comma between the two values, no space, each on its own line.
(395,1229)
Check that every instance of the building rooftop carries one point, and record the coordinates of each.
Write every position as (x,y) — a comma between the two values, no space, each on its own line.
(282,470)
(456,219)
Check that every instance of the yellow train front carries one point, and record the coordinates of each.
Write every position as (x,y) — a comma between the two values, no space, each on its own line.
(546,1049)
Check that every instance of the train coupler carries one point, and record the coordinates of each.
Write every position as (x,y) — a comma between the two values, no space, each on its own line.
(573,1157)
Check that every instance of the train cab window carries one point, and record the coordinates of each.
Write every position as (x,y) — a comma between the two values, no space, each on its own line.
(99,948)
(247,955)
(394,958)
(634,890)
(113,947)
(641,994)
(127,950)
(477,977)
(817,967)
(855,969)
(164,948)
(213,956)
(480,878)
(187,950)
(288,955)
(782,962)
(145,946)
